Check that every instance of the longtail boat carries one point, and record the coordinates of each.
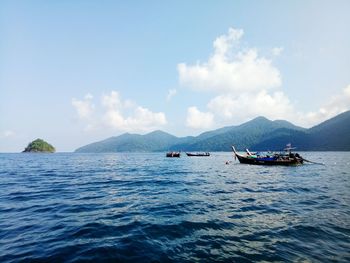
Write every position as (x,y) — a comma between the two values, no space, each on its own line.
(284,158)
(172,154)
(198,154)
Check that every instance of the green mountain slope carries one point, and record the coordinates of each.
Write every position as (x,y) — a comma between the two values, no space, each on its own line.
(257,134)
(151,142)
(333,134)
(245,135)
(330,135)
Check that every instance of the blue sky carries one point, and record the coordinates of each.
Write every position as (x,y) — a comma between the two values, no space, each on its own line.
(74,72)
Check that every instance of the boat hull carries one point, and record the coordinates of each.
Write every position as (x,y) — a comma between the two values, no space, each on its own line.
(277,159)
(257,161)
(198,154)
(173,154)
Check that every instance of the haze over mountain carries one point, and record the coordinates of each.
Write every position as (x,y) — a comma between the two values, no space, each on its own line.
(257,134)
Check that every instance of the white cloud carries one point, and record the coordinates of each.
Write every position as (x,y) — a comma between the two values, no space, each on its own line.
(84,107)
(199,120)
(243,80)
(231,68)
(224,43)
(142,119)
(123,115)
(7,134)
(112,101)
(247,85)
(171,93)
(88,96)
(246,106)
(276,51)
(336,105)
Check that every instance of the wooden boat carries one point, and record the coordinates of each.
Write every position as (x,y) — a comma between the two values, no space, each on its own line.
(286,158)
(173,154)
(198,154)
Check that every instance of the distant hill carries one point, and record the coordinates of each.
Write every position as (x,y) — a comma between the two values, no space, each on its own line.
(257,134)
(39,145)
(333,134)
(245,135)
(330,135)
(151,142)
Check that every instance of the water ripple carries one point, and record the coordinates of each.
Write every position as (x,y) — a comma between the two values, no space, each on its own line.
(147,208)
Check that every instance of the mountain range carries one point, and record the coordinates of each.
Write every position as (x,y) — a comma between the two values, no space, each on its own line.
(257,134)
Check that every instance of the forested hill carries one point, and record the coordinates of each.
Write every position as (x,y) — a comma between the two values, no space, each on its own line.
(257,134)
(39,145)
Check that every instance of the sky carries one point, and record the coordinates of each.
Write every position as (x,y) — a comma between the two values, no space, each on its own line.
(76,72)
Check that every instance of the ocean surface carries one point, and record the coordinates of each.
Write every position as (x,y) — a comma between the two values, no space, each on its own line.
(143,207)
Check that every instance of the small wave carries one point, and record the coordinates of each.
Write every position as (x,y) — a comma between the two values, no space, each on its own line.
(118,208)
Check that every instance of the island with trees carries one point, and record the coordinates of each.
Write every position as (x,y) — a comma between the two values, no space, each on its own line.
(39,146)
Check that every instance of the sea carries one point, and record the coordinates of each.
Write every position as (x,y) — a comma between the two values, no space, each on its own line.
(144,207)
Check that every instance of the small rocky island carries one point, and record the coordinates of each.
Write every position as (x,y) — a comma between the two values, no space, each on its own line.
(38,146)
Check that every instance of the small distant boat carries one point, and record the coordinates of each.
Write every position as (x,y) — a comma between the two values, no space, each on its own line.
(282,158)
(198,154)
(173,154)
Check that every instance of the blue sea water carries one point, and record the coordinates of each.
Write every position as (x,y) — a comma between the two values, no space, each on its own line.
(143,207)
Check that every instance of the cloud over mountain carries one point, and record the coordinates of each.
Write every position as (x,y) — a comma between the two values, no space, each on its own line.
(246,84)
(199,120)
(118,114)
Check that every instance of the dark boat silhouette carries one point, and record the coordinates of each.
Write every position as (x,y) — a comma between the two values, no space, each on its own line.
(198,154)
(282,158)
(173,154)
